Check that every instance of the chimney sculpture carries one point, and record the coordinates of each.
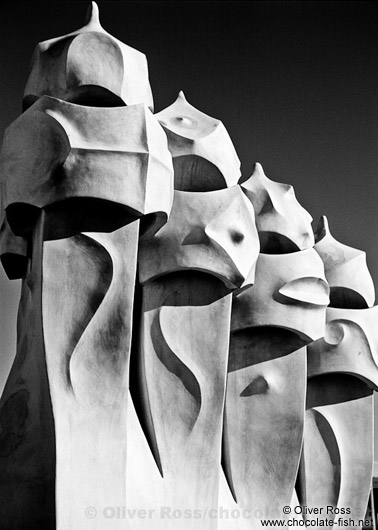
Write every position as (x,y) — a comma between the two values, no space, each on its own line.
(173,325)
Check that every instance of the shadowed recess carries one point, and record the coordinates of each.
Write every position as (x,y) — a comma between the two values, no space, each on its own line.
(196,174)
(14,265)
(331,445)
(257,345)
(345,298)
(273,243)
(137,381)
(300,483)
(94,96)
(86,95)
(175,366)
(329,389)
(85,74)
(151,223)
(22,217)
(226,461)
(201,289)
(72,216)
(258,386)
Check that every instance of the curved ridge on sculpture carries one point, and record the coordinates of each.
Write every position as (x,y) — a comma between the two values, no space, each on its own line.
(88,184)
(89,66)
(102,166)
(213,232)
(350,346)
(188,271)
(271,324)
(204,158)
(290,291)
(343,372)
(282,223)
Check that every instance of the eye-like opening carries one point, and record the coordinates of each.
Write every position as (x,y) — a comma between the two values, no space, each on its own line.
(84,95)
(94,96)
(345,298)
(274,243)
(72,216)
(196,174)
(256,345)
(335,387)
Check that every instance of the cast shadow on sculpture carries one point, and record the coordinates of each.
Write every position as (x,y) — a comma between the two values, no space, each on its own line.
(272,322)
(173,320)
(69,168)
(337,460)
(188,272)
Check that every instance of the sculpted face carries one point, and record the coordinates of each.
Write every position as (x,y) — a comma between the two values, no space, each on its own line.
(212,232)
(350,343)
(105,166)
(342,373)
(204,157)
(290,292)
(283,224)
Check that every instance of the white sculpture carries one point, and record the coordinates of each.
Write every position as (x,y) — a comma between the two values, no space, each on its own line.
(173,325)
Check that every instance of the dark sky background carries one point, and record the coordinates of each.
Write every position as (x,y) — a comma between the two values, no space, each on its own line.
(295,83)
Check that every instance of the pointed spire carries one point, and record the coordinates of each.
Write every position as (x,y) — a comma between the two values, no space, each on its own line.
(89,67)
(322,229)
(93,15)
(182,95)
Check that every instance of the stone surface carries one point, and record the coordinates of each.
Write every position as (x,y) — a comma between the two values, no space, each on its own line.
(175,352)
(97,168)
(337,462)
(292,293)
(283,224)
(89,67)
(87,334)
(188,270)
(346,270)
(203,155)
(212,232)
(27,434)
(272,322)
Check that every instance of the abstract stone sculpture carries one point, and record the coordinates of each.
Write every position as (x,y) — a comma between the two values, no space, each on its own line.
(89,67)
(66,169)
(203,155)
(283,224)
(173,325)
(343,372)
(188,270)
(271,324)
